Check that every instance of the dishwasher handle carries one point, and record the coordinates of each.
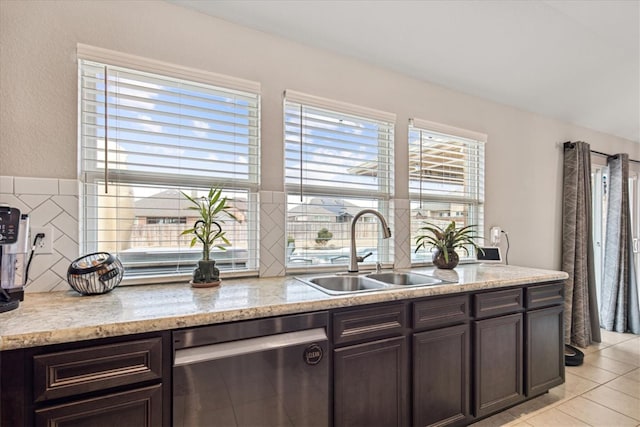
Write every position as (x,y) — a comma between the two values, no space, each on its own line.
(186,356)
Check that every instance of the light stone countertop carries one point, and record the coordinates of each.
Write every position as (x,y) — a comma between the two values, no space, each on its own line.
(59,317)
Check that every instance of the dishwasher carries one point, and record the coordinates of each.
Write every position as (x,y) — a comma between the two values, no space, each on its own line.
(266,372)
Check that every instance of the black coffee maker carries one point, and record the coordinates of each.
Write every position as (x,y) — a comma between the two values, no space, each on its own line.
(14,245)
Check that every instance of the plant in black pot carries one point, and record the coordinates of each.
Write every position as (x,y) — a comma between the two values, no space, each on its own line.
(207,231)
(446,241)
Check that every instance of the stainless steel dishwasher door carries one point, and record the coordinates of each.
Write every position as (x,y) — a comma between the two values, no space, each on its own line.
(279,378)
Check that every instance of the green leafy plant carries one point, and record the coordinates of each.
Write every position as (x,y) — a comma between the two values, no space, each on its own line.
(324,236)
(446,239)
(205,229)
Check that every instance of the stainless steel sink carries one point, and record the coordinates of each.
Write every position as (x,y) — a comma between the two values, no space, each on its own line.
(339,285)
(405,279)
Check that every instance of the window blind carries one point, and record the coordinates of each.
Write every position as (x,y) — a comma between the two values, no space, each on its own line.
(146,138)
(446,179)
(324,148)
(444,166)
(338,161)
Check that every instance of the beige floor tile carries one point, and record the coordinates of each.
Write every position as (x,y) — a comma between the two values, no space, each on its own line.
(554,418)
(519,424)
(595,414)
(633,375)
(594,348)
(608,364)
(626,385)
(499,419)
(574,385)
(632,345)
(540,403)
(616,400)
(623,354)
(610,337)
(592,373)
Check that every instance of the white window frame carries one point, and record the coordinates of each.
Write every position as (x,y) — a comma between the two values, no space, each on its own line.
(474,199)
(380,196)
(193,77)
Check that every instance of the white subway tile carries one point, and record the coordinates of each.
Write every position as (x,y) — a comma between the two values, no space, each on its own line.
(279,197)
(34,200)
(401,203)
(62,286)
(44,283)
(42,263)
(68,203)
(69,187)
(24,185)
(44,213)
(266,197)
(67,224)
(6,184)
(61,267)
(65,246)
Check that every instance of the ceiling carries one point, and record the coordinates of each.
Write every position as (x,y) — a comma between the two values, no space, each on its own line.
(577,61)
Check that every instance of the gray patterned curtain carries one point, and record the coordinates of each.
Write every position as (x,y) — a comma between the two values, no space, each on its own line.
(581,323)
(619,295)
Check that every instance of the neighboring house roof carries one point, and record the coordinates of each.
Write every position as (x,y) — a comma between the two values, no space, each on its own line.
(166,203)
(325,206)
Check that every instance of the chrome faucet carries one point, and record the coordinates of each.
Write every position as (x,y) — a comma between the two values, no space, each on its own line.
(354,259)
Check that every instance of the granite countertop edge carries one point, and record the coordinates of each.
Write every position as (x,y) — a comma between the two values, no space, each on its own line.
(63,317)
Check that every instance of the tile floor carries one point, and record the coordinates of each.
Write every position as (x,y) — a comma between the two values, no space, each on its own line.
(604,391)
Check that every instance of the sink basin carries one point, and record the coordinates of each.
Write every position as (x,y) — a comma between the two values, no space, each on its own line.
(405,279)
(338,285)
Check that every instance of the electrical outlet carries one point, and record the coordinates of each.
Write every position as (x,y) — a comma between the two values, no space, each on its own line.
(495,236)
(45,244)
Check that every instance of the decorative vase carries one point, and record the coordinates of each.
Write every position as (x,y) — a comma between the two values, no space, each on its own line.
(440,261)
(206,274)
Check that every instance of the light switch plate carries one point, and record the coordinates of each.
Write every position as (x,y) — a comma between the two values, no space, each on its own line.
(495,236)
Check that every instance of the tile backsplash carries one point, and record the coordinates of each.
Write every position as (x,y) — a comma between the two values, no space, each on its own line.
(52,203)
(273,206)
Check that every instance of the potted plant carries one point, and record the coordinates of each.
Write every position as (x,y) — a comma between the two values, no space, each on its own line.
(446,241)
(208,231)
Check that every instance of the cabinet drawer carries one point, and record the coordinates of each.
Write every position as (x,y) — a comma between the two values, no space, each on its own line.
(139,407)
(368,323)
(497,303)
(545,295)
(440,312)
(72,372)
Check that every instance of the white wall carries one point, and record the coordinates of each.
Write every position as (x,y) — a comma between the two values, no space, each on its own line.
(38,103)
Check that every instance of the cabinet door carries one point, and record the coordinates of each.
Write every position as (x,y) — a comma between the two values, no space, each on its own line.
(441,381)
(545,350)
(498,363)
(370,384)
(141,407)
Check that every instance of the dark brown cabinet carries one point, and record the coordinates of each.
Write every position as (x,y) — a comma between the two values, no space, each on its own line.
(370,366)
(139,407)
(498,350)
(441,374)
(444,360)
(498,355)
(114,381)
(441,361)
(370,384)
(544,334)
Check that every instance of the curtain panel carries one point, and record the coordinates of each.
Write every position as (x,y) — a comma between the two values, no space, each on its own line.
(581,321)
(619,294)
